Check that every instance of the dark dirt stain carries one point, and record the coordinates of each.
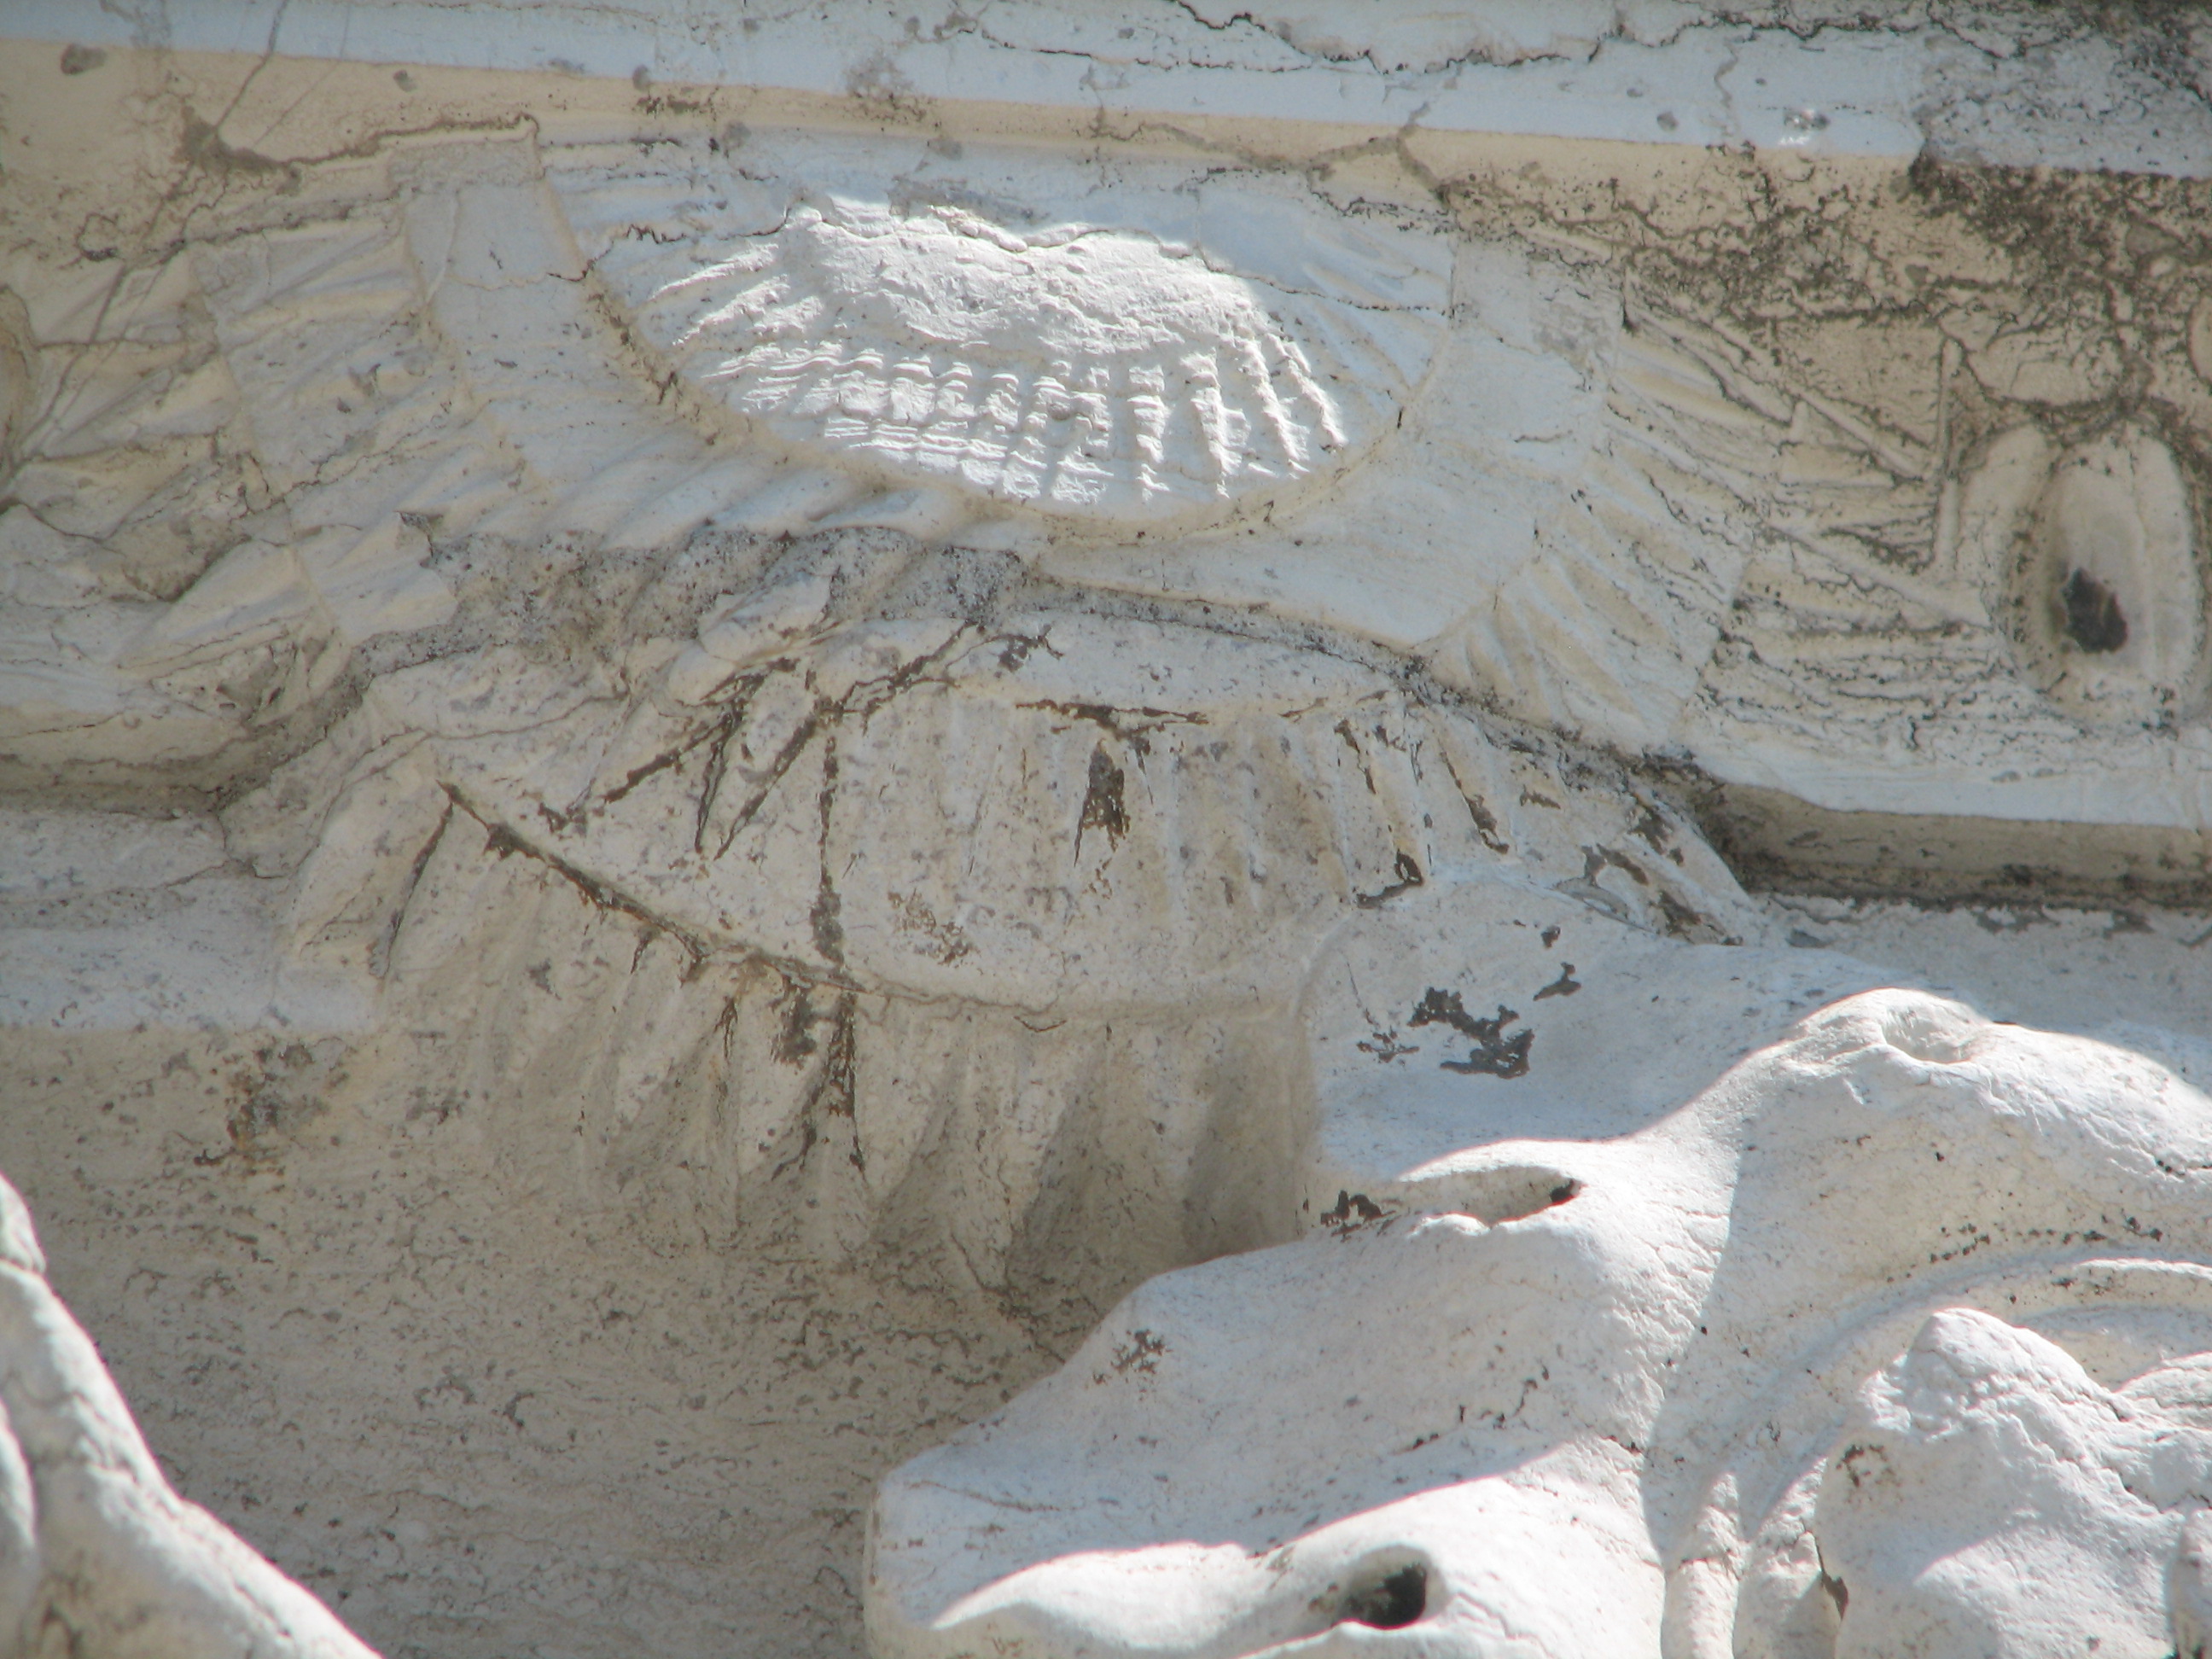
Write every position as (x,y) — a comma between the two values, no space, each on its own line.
(834,1093)
(1104,806)
(1385,1046)
(1494,1054)
(502,842)
(1594,859)
(1014,649)
(1132,726)
(1367,769)
(2011,919)
(825,917)
(716,734)
(1565,986)
(1485,820)
(638,774)
(794,1033)
(1140,1353)
(1352,1209)
(785,758)
(2092,616)
(204,147)
(278,1092)
(835,1085)
(1409,878)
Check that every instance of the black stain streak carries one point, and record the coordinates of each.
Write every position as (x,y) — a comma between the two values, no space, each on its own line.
(825,917)
(1366,770)
(1132,726)
(1594,859)
(1352,1209)
(1014,649)
(1103,805)
(1495,1054)
(1485,823)
(1409,878)
(502,842)
(1385,1046)
(1485,820)
(835,1086)
(1565,986)
(786,757)
(1140,1353)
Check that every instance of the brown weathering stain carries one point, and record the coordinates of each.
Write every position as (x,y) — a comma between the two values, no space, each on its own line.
(1409,877)
(1565,986)
(1103,806)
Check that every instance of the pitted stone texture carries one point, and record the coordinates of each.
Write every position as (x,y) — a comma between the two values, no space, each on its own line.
(98,1556)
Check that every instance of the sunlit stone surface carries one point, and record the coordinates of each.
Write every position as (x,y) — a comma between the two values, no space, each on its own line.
(1082,830)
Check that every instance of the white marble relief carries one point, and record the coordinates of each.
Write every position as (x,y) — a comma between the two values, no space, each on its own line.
(1090,373)
(1718,1386)
(102,1556)
(688,767)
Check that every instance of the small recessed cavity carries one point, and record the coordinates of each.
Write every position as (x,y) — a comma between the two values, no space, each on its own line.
(1495,1197)
(1387,1597)
(2107,601)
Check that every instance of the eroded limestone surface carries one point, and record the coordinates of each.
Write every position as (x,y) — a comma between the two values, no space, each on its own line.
(101,1557)
(709,723)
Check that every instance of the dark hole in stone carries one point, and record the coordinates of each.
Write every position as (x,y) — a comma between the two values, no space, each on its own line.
(1391,1603)
(1514,1191)
(2094,621)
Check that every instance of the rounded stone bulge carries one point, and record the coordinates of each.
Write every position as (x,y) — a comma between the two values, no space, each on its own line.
(1092,375)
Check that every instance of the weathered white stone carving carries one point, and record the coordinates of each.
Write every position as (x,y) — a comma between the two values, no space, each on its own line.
(101,1557)
(1984,1467)
(710,724)
(1093,373)
(1614,1396)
